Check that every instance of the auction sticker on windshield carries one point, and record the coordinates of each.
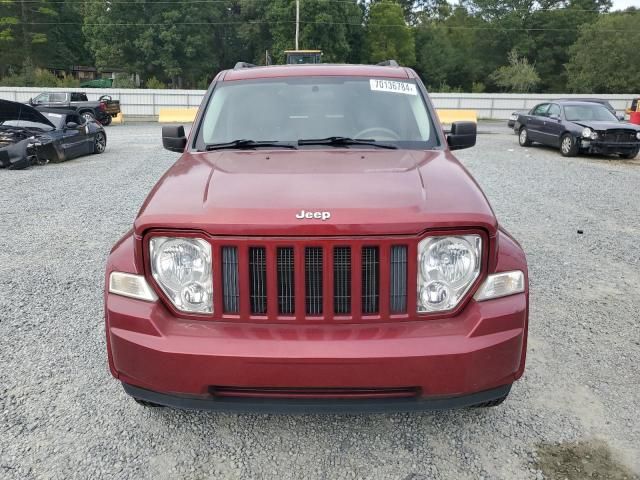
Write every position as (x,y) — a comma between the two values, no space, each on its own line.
(380,85)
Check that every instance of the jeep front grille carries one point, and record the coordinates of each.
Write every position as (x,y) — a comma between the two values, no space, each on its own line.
(286,281)
(313,280)
(230,279)
(342,280)
(332,280)
(369,280)
(258,280)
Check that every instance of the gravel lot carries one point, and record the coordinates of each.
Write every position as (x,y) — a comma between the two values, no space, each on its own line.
(63,416)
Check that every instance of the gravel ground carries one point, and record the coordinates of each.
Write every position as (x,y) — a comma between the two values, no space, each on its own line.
(62,415)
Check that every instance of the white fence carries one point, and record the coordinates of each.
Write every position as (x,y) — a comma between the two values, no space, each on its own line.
(145,104)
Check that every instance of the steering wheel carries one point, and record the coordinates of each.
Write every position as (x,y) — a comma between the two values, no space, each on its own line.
(387,134)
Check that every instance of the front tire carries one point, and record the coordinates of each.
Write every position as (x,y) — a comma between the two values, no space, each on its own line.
(106,121)
(523,137)
(568,146)
(99,143)
(88,116)
(631,155)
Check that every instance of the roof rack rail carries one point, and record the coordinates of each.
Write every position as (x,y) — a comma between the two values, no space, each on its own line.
(240,65)
(388,63)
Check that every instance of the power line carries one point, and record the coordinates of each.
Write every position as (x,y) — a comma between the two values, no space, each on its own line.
(230,2)
(260,22)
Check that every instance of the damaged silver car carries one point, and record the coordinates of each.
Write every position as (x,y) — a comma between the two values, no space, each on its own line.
(30,136)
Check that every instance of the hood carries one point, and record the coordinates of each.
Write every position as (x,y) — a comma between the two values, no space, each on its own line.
(20,111)
(594,125)
(365,192)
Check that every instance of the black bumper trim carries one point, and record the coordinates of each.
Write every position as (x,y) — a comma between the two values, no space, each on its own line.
(303,406)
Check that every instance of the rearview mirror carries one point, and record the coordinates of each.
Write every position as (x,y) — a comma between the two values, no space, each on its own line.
(462,135)
(173,138)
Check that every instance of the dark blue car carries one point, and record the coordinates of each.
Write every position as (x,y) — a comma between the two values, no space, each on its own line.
(578,127)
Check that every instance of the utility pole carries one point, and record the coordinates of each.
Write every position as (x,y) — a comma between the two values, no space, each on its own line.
(297,21)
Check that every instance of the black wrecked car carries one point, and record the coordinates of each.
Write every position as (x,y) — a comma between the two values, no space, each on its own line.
(36,137)
(578,127)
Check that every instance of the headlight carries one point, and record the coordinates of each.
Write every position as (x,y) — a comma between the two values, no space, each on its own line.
(586,133)
(514,116)
(638,135)
(448,266)
(182,269)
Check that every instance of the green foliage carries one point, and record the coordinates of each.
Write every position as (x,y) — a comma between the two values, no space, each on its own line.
(67,81)
(519,76)
(454,46)
(606,62)
(388,37)
(124,80)
(478,87)
(38,77)
(155,84)
(444,87)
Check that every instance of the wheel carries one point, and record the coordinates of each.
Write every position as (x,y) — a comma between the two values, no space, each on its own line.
(106,121)
(568,146)
(99,143)
(147,404)
(631,155)
(88,116)
(523,137)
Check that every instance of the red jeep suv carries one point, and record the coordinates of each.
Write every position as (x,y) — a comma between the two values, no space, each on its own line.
(317,248)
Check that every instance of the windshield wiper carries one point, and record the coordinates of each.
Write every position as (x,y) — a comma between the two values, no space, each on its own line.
(248,144)
(343,141)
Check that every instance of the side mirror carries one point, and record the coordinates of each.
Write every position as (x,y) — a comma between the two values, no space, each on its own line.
(620,117)
(462,135)
(31,101)
(72,125)
(173,138)
(554,117)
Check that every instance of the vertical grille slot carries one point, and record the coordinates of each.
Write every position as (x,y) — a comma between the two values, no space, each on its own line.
(342,280)
(230,294)
(313,279)
(370,284)
(258,280)
(398,280)
(286,281)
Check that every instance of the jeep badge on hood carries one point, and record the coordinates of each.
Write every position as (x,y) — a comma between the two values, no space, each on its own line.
(315,215)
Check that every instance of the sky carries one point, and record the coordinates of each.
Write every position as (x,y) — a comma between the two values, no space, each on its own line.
(622,4)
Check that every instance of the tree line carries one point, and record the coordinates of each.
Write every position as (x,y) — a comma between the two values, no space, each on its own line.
(473,46)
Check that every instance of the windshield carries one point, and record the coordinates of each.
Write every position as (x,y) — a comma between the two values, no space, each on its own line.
(595,112)
(293,109)
(56,118)
(26,124)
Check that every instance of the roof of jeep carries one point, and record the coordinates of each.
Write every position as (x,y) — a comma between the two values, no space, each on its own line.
(322,69)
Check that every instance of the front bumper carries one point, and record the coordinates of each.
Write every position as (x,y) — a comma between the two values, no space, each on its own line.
(309,406)
(181,362)
(595,146)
